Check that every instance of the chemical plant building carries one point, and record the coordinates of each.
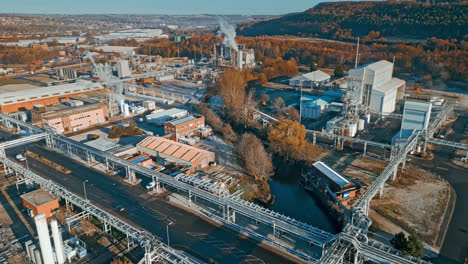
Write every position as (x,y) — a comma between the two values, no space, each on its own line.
(379,90)
(39,202)
(184,127)
(338,184)
(24,97)
(70,119)
(313,106)
(167,151)
(416,116)
(311,79)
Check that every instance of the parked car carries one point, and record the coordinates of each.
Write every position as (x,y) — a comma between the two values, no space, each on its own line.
(20,157)
(150,185)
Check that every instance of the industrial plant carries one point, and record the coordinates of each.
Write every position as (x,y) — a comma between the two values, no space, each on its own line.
(129,144)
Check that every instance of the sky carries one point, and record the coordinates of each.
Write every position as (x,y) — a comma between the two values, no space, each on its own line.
(170,7)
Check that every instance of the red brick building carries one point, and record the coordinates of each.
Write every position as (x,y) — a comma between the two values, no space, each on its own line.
(184,127)
(40,202)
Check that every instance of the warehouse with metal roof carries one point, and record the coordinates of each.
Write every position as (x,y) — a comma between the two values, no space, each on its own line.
(176,153)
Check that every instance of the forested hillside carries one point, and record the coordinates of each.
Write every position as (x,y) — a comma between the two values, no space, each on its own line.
(346,20)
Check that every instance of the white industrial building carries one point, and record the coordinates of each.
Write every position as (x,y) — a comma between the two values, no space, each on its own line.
(160,116)
(137,34)
(313,106)
(416,114)
(245,59)
(416,117)
(123,50)
(123,69)
(310,79)
(378,89)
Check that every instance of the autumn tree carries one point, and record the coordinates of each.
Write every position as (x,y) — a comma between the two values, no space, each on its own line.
(290,113)
(252,154)
(288,139)
(211,118)
(228,133)
(231,87)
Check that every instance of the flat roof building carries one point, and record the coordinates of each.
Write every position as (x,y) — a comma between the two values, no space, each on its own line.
(184,127)
(71,119)
(25,97)
(160,116)
(39,202)
(176,153)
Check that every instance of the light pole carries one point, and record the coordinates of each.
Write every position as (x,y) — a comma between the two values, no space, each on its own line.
(167,231)
(300,102)
(315,72)
(84,188)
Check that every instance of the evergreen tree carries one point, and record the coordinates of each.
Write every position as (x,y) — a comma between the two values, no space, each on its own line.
(399,241)
(339,70)
(414,247)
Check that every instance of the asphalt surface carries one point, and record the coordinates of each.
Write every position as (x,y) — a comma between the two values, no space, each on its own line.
(455,247)
(188,232)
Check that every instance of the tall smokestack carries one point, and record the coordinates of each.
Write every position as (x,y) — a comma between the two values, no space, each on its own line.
(44,239)
(58,242)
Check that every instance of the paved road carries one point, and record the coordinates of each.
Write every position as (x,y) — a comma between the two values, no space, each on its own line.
(455,247)
(189,232)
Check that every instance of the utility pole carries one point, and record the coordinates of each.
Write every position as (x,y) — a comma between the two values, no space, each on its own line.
(300,103)
(84,188)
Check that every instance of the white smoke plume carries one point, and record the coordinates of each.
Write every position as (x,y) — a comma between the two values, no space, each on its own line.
(229,33)
(104,72)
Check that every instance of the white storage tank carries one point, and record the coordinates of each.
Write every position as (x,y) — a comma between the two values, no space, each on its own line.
(352,129)
(361,124)
(23,116)
(126,110)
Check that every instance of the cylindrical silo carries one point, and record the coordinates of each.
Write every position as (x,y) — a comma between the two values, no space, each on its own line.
(361,124)
(44,239)
(58,242)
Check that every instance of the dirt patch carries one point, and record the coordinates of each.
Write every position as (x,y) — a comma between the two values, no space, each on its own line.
(416,201)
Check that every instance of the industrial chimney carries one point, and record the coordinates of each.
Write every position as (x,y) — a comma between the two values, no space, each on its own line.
(44,239)
(58,242)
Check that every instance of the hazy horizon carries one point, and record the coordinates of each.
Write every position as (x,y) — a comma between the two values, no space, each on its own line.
(148,7)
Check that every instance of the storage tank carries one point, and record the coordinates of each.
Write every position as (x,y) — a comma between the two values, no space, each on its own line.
(44,239)
(58,242)
(352,129)
(361,124)
(126,110)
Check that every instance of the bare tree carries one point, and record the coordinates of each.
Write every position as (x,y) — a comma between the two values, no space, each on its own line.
(278,104)
(256,160)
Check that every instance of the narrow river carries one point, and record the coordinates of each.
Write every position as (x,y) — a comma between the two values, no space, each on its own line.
(291,199)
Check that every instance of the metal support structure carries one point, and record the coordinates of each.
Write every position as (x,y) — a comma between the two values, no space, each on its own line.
(137,235)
